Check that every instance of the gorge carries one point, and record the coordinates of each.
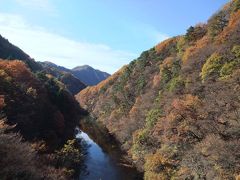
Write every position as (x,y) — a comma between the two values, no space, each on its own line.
(175,109)
(104,158)
(173,113)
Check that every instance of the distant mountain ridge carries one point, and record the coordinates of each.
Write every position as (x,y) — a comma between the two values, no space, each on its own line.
(75,80)
(89,75)
(10,52)
(72,83)
(86,74)
(50,64)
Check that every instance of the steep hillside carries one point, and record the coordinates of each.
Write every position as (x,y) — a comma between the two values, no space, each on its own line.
(42,115)
(34,99)
(85,74)
(52,65)
(73,84)
(176,109)
(10,52)
(39,108)
(89,75)
(38,104)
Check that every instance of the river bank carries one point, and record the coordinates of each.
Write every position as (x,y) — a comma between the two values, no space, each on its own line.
(104,159)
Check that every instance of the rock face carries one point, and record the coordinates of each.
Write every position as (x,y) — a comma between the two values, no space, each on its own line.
(176,109)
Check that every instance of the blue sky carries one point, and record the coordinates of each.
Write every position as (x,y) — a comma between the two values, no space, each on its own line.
(105,34)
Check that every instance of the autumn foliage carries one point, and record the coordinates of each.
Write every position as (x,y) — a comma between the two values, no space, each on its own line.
(36,102)
(176,108)
(40,109)
(20,161)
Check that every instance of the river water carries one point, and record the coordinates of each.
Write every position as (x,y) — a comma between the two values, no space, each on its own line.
(103,159)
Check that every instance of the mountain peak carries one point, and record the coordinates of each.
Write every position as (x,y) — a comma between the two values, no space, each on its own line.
(85,73)
(82,67)
(89,75)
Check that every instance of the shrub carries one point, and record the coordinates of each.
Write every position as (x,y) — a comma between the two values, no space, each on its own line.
(159,97)
(32,92)
(195,33)
(199,49)
(159,165)
(176,83)
(41,76)
(166,48)
(217,23)
(132,64)
(127,72)
(236,51)
(122,80)
(165,74)
(236,5)
(215,66)
(189,33)
(181,45)
(69,156)
(212,66)
(17,158)
(103,89)
(5,79)
(17,70)
(142,136)
(140,143)
(213,158)
(169,69)
(141,139)
(20,161)
(152,117)
(227,69)
(176,67)
(141,63)
(141,82)
(153,55)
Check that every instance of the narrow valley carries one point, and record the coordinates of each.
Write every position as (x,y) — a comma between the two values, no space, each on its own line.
(119,90)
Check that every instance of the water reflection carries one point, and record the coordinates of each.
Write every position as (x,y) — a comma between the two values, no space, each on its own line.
(100,165)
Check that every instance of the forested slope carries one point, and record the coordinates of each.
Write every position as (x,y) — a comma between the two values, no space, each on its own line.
(176,109)
(38,117)
(86,74)
(11,52)
(89,75)
(72,83)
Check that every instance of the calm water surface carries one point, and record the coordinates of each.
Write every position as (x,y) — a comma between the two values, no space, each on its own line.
(104,164)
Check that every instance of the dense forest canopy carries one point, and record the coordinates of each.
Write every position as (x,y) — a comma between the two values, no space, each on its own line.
(176,108)
(38,116)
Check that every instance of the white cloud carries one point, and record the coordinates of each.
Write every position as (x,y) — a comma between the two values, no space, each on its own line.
(48,46)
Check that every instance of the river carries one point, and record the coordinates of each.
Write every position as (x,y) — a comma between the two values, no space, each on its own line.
(104,160)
